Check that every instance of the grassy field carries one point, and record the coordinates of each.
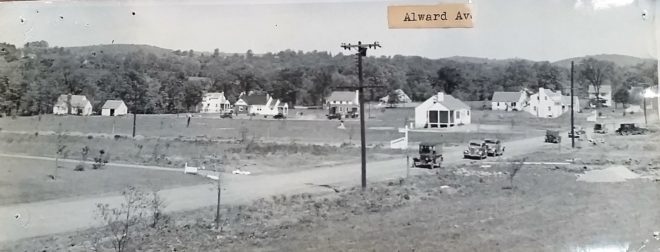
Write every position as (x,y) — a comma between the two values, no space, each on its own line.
(26,180)
(381,126)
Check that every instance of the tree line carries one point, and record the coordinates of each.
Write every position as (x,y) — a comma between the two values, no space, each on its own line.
(149,81)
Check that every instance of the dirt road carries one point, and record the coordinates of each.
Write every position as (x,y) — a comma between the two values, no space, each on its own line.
(64,215)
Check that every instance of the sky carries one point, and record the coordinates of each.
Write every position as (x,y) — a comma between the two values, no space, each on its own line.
(531,29)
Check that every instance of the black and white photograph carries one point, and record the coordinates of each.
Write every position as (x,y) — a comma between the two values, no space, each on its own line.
(329,125)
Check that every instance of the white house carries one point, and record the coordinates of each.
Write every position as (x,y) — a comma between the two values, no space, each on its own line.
(509,101)
(440,111)
(549,104)
(214,103)
(402,97)
(262,104)
(114,108)
(343,102)
(604,94)
(79,105)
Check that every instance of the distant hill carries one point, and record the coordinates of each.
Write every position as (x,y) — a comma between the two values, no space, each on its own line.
(119,49)
(620,60)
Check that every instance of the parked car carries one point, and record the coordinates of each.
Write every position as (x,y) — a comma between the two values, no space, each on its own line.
(334,116)
(279,116)
(227,115)
(579,132)
(494,147)
(476,149)
(600,128)
(631,129)
(430,155)
(552,136)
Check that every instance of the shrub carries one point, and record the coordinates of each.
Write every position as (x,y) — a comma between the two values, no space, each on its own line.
(79,167)
(90,137)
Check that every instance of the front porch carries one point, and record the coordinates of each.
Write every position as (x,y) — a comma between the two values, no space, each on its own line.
(440,119)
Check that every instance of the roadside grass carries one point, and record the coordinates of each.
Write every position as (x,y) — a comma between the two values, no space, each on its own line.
(446,211)
(24,180)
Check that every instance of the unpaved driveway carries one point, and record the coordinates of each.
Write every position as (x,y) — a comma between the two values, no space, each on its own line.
(64,215)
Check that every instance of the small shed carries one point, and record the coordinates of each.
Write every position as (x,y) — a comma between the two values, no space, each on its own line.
(114,108)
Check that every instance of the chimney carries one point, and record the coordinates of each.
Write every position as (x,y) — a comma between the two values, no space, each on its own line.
(440,97)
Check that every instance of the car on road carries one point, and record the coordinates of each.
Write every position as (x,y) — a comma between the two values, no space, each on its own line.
(279,116)
(430,155)
(495,147)
(476,149)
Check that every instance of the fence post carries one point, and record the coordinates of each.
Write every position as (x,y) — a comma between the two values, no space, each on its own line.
(407,166)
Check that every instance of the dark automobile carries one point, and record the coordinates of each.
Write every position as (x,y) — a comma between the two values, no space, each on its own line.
(476,149)
(552,136)
(495,147)
(631,129)
(279,116)
(430,155)
(227,115)
(334,116)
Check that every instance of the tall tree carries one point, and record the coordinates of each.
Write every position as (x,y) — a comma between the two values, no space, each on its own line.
(595,72)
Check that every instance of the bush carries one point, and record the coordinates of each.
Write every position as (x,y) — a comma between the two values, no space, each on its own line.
(79,167)
(90,137)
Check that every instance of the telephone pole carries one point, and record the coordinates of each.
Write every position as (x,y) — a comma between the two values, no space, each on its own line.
(362,52)
(572,109)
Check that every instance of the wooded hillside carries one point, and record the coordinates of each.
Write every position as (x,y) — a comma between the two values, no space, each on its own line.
(156,80)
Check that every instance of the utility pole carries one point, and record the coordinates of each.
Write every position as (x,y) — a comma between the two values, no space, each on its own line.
(572,110)
(362,52)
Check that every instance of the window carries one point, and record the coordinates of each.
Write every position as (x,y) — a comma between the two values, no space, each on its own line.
(468,112)
(498,104)
(458,115)
(546,98)
(534,108)
(513,104)
(240,108)
(549,108)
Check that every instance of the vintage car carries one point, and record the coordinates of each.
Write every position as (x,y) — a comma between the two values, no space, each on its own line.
(334,116)
(600,128)
(227,115)
(279,116)
(476,149)
(579,132)
(430,155)
(631,129)
(495,147)
(552,136)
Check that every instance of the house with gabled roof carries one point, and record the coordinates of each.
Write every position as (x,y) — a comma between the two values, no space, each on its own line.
(509,101)
(260,104)
(114,108)
(214,103)
(402,97)
(343,103)
(442,111)
(550,104)
(72,104)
